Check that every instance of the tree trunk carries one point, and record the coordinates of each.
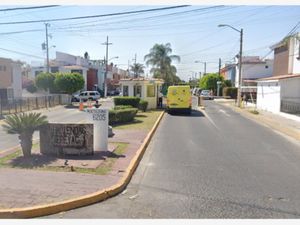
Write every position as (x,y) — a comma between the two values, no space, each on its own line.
(26,143)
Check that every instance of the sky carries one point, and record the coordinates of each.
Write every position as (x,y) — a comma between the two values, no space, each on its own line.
(192,31)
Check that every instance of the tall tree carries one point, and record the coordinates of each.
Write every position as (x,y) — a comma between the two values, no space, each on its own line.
(69,82)
(137,69)
(160,59)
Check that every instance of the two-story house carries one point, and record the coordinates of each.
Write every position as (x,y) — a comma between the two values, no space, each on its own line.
(91,70)
(281,91)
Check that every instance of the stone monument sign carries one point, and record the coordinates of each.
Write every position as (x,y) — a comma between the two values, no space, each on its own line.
(66,139)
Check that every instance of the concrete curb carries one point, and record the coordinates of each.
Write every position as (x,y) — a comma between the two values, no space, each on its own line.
(289,131)
(98,196)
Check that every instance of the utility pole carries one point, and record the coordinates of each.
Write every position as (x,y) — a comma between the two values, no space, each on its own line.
(135,73)
(220,63)
(47,46)
(240,69)
(106,66)
(204,69)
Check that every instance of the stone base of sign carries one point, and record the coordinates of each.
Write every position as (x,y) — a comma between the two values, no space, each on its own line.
(66,139)
(110,131)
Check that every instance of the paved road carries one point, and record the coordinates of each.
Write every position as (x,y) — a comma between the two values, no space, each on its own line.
(221,165)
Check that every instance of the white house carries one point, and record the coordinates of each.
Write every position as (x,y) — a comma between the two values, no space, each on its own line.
(254,68)
(69,63)
(281,92)
(146,89)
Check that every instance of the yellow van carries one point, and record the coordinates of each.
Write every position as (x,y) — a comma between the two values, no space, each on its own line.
(179,99)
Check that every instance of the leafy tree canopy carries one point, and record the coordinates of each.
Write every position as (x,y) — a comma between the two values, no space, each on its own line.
(45,81)
(209,81)
(69,82)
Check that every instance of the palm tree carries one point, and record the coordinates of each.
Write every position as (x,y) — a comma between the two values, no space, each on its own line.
(24,125)
(137,69)
(160,59)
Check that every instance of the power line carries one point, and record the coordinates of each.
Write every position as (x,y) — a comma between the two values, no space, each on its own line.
(141,19)
(94,16)
(25,8)
(21,53)
(20,32)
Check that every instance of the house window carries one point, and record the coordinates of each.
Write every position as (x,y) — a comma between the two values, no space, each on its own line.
(150,91)
(137,92)
(125,90)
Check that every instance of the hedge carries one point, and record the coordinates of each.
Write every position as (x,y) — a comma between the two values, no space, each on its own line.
(122,115)
(118,107)
(143,105)
(230,91)
(133,101)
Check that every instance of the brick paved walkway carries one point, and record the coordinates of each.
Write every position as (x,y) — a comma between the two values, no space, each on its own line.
(24,188)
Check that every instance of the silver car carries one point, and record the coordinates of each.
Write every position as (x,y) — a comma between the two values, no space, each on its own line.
(206,94)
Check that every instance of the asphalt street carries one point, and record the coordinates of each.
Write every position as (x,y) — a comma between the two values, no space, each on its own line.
(212,165)
(57,114)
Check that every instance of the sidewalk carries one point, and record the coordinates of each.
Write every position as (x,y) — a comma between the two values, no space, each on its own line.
(285,123)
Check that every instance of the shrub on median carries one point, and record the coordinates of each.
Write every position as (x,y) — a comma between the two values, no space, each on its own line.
(118,107)
(133,101)
(143,105)
(122,115)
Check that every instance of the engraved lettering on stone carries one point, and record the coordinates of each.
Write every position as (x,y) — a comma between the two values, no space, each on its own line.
(68,136)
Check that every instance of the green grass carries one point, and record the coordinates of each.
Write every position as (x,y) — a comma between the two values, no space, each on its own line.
(103,169)
(4,161)
(143,120)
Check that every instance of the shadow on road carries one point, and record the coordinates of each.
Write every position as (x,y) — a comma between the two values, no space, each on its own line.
(194,113)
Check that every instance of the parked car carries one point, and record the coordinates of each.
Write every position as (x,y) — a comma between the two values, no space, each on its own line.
(206,94)
(86,95)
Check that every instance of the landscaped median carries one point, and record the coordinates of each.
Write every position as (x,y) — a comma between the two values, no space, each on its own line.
(103,176)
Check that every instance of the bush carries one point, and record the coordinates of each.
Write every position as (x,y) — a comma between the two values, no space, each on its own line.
(143,105)
(118,107)
(133,101)
(122,115)
(31,88)
(230,91)
(69,82)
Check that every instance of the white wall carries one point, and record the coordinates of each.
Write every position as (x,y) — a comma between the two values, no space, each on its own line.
(255,71)
(67,59)
(295,54)
(290,89)
(17,80)
(268,96)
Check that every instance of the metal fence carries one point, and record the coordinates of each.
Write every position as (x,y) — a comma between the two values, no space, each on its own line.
(290,107)
(31,103)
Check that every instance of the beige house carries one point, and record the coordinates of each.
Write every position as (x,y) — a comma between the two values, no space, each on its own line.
(146,89)
(10,79)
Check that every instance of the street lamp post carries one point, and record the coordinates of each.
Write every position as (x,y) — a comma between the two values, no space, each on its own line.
(204,63)
(240,60)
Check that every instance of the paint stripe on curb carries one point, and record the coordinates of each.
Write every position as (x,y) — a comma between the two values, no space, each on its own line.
(98,196)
